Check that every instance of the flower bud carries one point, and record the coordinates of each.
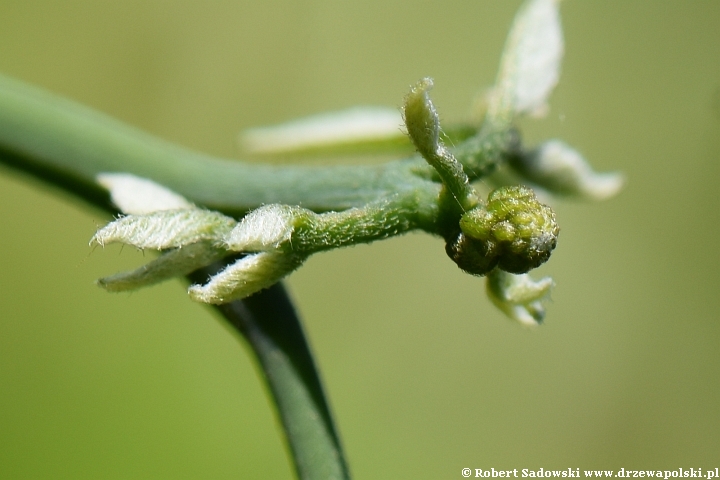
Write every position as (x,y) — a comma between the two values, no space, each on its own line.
(512,231)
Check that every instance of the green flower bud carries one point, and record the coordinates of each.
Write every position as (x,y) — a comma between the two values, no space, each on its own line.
(512,231)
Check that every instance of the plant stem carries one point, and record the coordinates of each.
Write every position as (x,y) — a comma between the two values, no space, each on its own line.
(67,145)
(268,322)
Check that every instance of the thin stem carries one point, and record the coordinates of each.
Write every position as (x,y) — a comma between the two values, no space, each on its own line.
(423,125)
(68,144)
(481,154)
(375,221)
(268,322)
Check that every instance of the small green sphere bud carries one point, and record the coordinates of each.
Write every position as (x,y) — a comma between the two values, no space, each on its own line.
(512,231)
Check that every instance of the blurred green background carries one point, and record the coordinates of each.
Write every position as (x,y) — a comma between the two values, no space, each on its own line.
(424,375)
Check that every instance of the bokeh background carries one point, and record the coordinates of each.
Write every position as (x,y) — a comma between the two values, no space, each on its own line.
(424,375)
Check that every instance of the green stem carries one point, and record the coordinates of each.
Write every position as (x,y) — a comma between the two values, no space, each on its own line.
(68,144)
(269,324)
(375,221)
(481,154)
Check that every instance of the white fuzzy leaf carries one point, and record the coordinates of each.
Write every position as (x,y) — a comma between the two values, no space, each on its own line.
(530,66)
(248,275)
(519,296)
(353,126)
(264,228)
(560,169)
(166,229)
(137,195)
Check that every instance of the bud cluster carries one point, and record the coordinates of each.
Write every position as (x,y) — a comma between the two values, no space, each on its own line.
(512,231)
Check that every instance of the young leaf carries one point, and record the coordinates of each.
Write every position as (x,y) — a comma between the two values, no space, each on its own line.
(248,275)
(166,229)
(357,129)
(519,296)
(137,195)
(173,263)
(264,228)
(530,65)
(560,169)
